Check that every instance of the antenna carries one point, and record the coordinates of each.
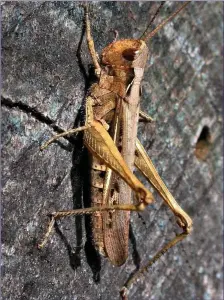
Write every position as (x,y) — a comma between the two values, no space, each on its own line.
(152,20)
(161,25)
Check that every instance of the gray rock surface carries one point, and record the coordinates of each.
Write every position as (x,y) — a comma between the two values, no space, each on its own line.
(44,84)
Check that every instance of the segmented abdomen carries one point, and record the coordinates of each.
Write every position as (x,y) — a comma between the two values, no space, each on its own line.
(97,182)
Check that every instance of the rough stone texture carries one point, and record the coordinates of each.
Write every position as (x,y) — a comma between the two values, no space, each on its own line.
(44,84)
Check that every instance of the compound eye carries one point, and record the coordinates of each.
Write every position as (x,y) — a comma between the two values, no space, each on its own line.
(129,54)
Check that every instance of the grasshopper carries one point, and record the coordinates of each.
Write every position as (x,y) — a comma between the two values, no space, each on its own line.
(110,134)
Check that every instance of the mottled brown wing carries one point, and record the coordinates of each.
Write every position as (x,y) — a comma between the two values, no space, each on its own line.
(116,226)
(115,223)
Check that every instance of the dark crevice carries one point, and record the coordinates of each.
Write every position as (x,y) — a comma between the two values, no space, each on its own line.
(7,102)
(203,144)
(205,134)
(27,109)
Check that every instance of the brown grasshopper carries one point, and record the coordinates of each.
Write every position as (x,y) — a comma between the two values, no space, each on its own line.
(110,134)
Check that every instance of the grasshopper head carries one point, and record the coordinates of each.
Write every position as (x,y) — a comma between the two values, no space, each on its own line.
(125,54)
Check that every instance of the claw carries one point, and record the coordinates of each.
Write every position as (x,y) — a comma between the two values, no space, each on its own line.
(123,293)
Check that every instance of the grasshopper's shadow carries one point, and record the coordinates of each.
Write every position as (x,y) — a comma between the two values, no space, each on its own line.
(81,186)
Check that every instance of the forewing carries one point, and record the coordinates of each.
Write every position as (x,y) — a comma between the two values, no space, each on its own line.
(115,223)
(116,226)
